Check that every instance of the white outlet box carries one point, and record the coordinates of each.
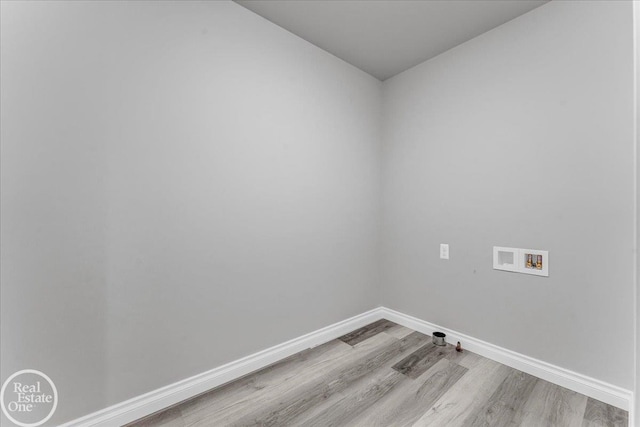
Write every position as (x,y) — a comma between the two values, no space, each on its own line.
(444,251)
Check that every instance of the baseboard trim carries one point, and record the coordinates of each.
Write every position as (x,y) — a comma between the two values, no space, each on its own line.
(588,386)
(146,404)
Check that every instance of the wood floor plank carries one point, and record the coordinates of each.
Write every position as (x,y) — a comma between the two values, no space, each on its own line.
(502,406)
(221,403)
(399,331)
(358,397)
(366,332)
(263,380)
(467,359)
(466,396)
(599,414)
(413,365)
(352,401)
(272,396)
(295,402)
(552,405)
(424,358)
(171,417)
(240,389)
(407,402)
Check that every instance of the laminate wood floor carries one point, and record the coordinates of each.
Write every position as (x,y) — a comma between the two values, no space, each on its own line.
(387,375)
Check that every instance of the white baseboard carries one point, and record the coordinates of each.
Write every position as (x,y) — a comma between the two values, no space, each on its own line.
(588,386)
(146,404)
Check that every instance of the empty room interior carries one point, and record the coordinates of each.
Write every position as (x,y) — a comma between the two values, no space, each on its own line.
(319,213)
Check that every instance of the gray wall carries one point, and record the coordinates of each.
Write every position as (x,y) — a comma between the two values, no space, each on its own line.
(183,184)
(521,137)
(53,202)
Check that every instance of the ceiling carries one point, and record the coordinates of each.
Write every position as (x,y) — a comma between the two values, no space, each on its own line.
(386,37)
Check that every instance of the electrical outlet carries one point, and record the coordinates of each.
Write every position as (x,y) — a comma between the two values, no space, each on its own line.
(444,251)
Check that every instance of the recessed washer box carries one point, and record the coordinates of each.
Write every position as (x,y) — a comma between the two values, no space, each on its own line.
(518,260)
(533,261)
